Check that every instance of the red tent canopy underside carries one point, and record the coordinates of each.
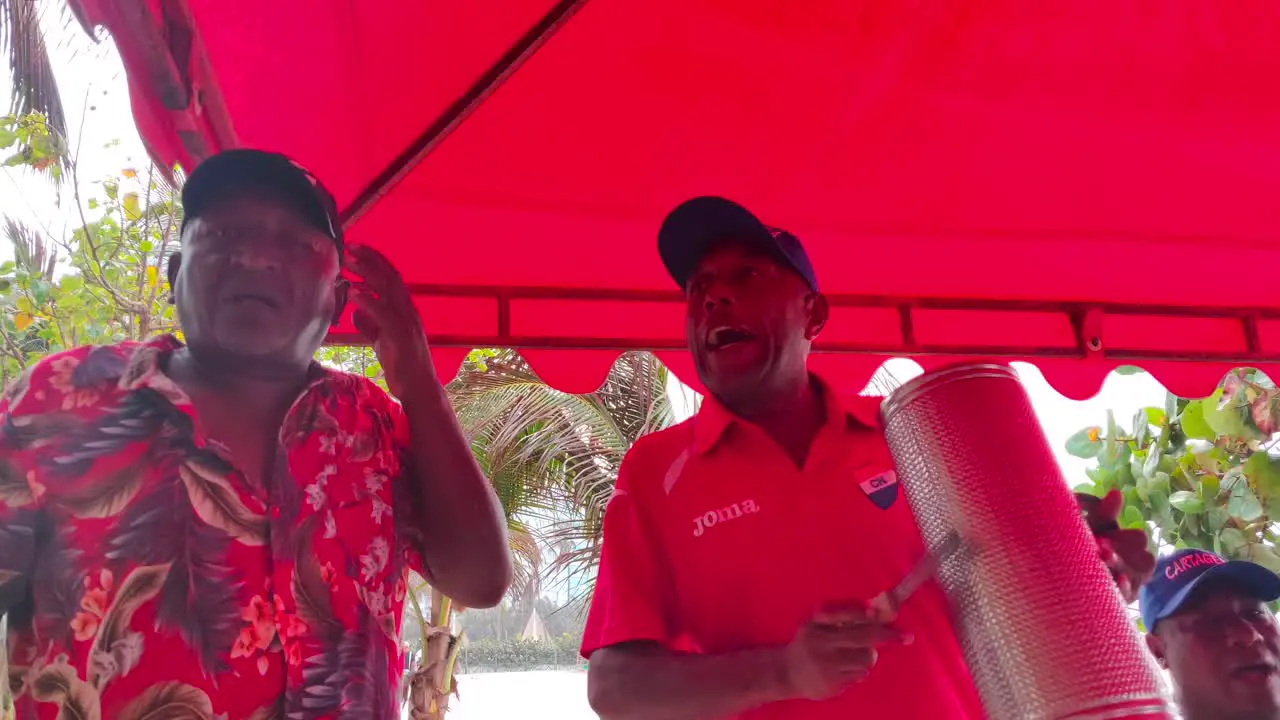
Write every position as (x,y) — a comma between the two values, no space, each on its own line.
(1081,185)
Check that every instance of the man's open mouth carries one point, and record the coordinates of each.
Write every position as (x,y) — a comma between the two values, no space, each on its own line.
(250,298)
(726,336)
(1255,671)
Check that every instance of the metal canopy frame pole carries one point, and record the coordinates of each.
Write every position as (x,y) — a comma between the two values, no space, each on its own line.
(461,109)
(1086,338)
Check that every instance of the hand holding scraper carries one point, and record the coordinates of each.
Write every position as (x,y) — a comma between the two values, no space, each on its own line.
(884,606)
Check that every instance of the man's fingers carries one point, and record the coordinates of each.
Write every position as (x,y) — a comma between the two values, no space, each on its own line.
(375,311)
(1126,551)
(1131,547)
(376,270)
(365,325)
(1110,507)
(853,661)
(1126,587)
(862,635)
(844,614)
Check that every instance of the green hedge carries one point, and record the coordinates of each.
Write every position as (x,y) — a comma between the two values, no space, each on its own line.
(517,654)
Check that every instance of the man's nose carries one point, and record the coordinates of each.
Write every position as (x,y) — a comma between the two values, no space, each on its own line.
(718,295)
(256,256)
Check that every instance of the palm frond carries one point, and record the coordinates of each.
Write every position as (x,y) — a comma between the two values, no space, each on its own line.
(32,251)
(553,456)
(528,565)
(35,89)
(882,383)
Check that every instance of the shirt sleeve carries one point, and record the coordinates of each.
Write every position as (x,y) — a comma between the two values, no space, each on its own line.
(21,492)
(632,600)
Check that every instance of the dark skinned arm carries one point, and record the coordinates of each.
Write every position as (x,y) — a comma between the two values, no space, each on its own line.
(465,545)
(645,681)
(463,527)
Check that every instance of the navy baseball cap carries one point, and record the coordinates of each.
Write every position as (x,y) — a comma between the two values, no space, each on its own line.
(233,172)
(1178,575)
(697,225)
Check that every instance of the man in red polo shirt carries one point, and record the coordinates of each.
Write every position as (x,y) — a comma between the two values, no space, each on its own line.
(741,546)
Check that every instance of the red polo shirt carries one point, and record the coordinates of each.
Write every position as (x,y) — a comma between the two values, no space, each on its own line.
(715,541)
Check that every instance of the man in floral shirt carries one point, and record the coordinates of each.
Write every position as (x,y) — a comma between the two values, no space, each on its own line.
(222,529)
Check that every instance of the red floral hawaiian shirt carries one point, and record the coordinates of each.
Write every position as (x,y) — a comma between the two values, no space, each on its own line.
(151,580)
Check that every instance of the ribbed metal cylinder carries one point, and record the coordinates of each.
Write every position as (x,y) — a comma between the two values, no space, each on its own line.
(1044,629)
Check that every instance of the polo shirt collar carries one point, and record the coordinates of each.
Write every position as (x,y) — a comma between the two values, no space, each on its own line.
(714,419)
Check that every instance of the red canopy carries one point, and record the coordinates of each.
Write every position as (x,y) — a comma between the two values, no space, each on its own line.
(1082,185)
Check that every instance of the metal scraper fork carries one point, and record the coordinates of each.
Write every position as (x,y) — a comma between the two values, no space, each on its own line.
(885,606)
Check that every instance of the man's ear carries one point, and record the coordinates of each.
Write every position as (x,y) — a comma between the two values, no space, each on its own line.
(171,270)
(819,313)
(1156,645)
(340,288)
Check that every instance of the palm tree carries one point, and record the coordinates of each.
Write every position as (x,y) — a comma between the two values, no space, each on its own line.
(35,89)
(564,450)
(553,459)
(34,85)
(32,251)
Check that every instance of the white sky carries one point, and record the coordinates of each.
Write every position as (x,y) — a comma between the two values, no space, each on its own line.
(95,93)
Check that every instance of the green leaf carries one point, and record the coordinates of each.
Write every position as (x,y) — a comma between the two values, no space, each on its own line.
(1243,504)
(1193,422)
(1135,466)
(1086,444)
(1263,474)
(1089,489)
(1216,519)
(1132,519)
(1232,541)
(1124,476)
(1226,418)
(1160,506)
(1232,479)
(1264,556)
(1187,502)
(1141,429)
(1152,464)
(1155,416)
(1160,482)
(1111,446)
(1128,370)
(93,203)
(1101,476)
(1142,488)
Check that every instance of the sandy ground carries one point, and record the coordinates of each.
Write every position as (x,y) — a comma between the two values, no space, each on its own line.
(549,695)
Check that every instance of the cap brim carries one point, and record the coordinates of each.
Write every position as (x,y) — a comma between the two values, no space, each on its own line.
(696,225)
(1252,578)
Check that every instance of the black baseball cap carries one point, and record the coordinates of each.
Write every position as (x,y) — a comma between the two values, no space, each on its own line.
(697,225)
(1178,575)
(237,171)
